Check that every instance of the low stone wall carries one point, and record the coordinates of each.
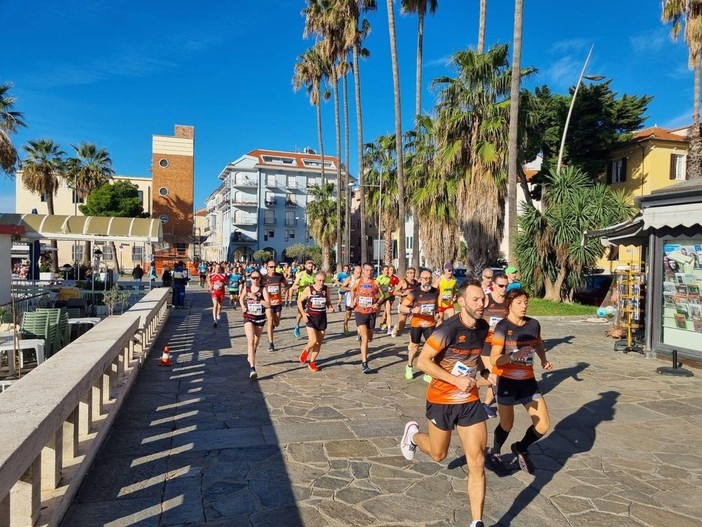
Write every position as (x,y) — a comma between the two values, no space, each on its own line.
(54,420)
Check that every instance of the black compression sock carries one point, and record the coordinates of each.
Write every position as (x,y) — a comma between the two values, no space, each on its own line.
(531,437)
(500,436)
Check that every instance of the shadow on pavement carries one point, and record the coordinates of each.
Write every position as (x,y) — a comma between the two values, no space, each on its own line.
(572,435)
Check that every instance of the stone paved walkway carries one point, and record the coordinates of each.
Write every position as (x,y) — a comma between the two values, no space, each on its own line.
(200,444)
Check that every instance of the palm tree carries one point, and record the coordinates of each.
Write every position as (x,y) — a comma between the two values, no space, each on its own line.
(10,122)
(420,7)
(41,170)
(690,12)
(551,250)
(381,191)
(432,195)
(401,253)
(321,214)
(89,169)
(481,26)
(514,128)
(310,71)
(471,138)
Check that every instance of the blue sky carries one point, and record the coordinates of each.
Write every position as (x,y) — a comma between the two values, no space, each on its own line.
(115,72)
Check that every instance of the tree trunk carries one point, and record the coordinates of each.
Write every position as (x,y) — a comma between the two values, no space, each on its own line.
(417,113)
(481,26)
(694,155)
(387,238)
(401,253)
(54,243)
(513,131)
(87,252)
(319,132)
(337,126)
(114,253)
(361,175)
(347,187)
(525,186)
(326,250)
(553,288)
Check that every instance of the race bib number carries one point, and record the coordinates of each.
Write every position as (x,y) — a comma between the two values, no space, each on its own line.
(461,370)
(365,301)
(446,297)
(528,359)
(318,302)
(494,321)
(426,309)
(273,289)
(255,309)
(217,286)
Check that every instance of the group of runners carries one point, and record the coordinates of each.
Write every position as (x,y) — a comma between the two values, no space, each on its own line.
(489,344)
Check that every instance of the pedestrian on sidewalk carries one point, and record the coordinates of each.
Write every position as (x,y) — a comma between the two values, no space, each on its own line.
(451,356)
(366,295)
(314,301)
(216,282)
(180,280)
(254,302)
(516,340)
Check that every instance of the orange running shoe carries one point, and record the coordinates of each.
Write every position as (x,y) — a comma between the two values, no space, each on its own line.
(312,366)
(303,355)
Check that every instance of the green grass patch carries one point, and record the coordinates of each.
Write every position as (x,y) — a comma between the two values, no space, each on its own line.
(540,307)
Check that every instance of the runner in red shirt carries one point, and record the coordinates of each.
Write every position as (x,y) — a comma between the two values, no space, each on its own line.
(365,305)
(216,282)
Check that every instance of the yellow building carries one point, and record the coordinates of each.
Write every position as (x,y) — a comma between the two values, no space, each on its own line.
(653,159)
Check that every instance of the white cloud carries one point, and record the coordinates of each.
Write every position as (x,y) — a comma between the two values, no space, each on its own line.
(441,61)
(649,42)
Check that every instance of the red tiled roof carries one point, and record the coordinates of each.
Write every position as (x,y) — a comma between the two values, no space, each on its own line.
(657,133)
(297,156)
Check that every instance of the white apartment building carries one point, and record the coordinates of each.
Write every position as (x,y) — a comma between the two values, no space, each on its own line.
(261,203)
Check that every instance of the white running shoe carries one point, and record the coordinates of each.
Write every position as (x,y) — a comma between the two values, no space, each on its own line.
(406,446)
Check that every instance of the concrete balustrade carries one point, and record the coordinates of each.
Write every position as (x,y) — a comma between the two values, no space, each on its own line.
(53,420)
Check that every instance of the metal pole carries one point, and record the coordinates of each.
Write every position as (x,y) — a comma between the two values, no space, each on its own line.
(570,111)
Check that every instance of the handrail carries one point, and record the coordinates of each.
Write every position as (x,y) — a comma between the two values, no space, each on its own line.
(69,403)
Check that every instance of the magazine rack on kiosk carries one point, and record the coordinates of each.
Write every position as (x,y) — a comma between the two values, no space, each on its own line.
(629,282)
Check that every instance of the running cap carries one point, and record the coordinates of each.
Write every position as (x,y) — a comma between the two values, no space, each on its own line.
(510,270)
(448,267)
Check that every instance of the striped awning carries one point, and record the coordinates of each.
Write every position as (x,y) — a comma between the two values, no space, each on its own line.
(81,228)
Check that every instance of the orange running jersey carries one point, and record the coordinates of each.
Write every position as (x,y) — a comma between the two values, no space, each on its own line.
(512,338)
(366,296)
(454,342)
(426,301)
(493,313)
(274,285)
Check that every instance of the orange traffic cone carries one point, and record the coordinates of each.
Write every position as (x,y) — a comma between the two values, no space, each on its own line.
(166,357)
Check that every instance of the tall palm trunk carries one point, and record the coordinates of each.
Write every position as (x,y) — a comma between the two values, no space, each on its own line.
(481,26)
(359,133)
(319,131)
(513,130)
(387,240)
(337,126)
(347,188)
(54,243)
(417,113)
(401,253)
(694,156)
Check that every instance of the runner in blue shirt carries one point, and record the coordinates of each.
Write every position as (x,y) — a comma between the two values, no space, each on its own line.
(235,281)
(202,270)
(340,277)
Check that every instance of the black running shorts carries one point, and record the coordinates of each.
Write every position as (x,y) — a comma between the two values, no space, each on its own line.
(512,392)
(449,416)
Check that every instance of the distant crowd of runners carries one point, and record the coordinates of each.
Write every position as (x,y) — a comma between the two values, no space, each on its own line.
(490,343)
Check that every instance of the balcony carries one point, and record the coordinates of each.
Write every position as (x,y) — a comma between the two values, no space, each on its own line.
(244,220)
(240,237)
(223,204)
(290,203)
(245,202)
(291,185)
(270,202)
(244,182)
(271,182)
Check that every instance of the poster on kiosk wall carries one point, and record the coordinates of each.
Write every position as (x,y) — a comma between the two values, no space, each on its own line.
(682,281)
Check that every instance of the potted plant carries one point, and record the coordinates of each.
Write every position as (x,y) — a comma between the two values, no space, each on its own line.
(45,271)
(114,297)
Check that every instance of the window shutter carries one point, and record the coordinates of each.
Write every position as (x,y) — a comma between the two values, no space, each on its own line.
(622,176)
(610,169)
(672,167)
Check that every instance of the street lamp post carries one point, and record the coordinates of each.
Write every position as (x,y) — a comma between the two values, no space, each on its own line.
(572,104)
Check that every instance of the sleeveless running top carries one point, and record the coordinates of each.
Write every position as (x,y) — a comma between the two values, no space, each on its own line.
(316,301)
(446,291)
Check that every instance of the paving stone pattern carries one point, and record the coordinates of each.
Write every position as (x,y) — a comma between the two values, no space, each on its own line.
(201,444)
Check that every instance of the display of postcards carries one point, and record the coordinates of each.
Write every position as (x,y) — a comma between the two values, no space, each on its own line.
(693,289)
(669,287)
(681,309)
(694,299)
(690,279)
(694,311)
(698,250)
(679,278)
(680,321)
(681,289)
(669,299)
(697,324)
(681,300)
